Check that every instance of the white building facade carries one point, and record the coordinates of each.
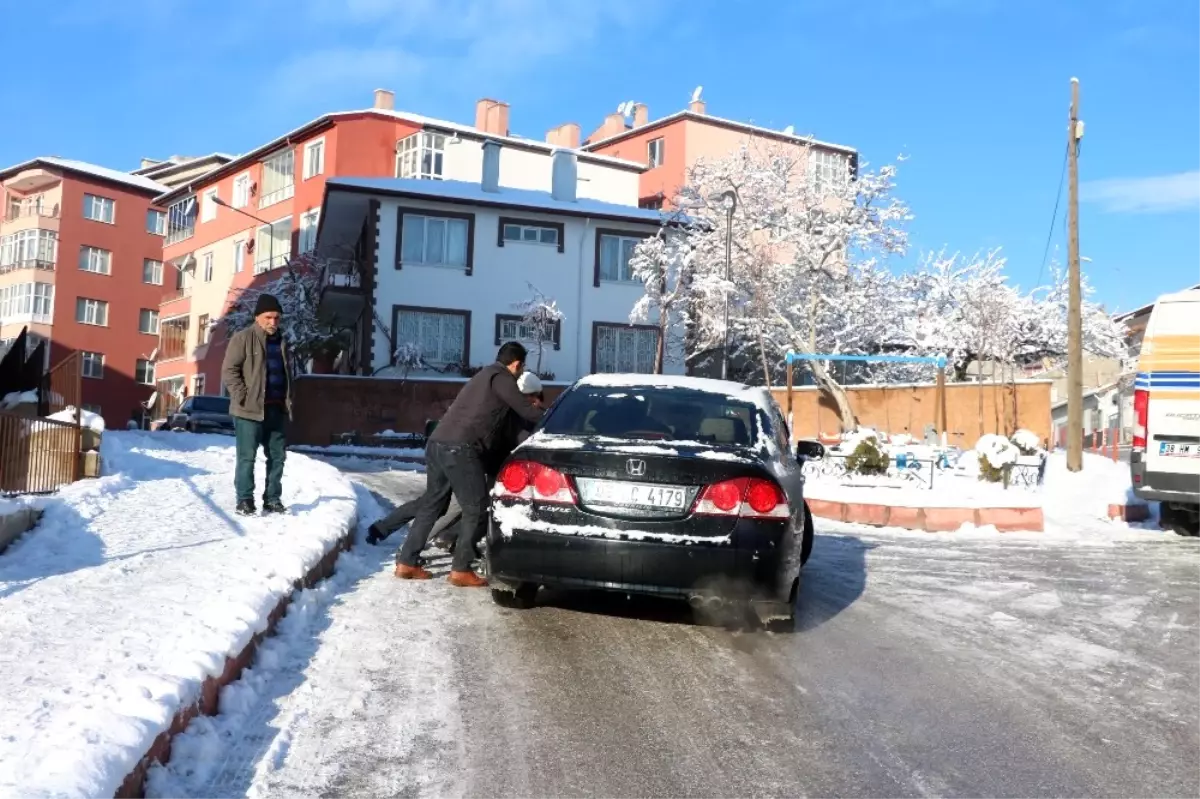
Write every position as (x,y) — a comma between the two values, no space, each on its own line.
(454,260)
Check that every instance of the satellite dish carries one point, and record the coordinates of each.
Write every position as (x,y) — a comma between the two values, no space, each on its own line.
(628,107)
(153,354)
(696,94)
(621,109)
(149,403)
(790,130)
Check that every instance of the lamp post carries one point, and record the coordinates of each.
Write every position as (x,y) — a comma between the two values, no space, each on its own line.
(270,244)
(729,202)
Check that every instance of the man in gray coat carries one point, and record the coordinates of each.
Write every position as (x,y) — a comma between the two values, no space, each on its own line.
(258,376)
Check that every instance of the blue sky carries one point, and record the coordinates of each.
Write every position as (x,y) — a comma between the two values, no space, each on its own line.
(974,93)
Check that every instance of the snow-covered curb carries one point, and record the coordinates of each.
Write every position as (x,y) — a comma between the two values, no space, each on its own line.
(930,519)
(137,596)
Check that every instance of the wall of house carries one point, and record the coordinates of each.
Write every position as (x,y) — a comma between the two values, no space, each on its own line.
(668,176)
(500,279)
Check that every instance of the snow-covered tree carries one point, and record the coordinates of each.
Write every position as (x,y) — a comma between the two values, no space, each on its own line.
(540,315)
(663,264)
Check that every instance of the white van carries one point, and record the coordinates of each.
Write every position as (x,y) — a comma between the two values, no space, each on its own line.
(1166,405)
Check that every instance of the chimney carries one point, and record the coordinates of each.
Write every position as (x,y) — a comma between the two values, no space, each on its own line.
(385,100)
(565,135)
(641,114)
(564,175)
(491,116)
(490,180)
(696,106)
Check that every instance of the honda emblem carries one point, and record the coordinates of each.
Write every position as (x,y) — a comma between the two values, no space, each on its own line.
(635,467)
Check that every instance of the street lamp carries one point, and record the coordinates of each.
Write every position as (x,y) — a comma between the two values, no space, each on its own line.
(270,244)
(728,200)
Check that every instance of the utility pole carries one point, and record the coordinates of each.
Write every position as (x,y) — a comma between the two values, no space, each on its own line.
(1074,316)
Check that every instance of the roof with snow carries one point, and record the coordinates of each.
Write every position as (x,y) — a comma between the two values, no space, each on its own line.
(707,385)
(464,192)
(732,124)
(90,170)
(464,131)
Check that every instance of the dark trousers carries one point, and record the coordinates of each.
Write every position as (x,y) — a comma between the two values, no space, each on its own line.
(450,469)
(249,436)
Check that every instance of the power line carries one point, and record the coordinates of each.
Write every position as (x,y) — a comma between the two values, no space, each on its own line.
(1054,217)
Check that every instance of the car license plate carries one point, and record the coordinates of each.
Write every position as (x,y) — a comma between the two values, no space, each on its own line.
(633,495)
(1178,450)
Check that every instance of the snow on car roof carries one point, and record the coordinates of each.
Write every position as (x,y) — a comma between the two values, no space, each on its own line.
(757,395)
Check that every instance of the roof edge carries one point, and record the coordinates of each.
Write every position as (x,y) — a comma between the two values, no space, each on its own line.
(725,123)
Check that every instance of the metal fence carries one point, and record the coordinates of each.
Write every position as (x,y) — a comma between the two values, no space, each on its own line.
(64,384)
(37,455)
(923,472)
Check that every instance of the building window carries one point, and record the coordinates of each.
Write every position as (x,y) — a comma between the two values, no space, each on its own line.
(239,256)
(241,190)
(525,232)
(27,302)
(622,348)
(510,327)
(435,240)
(421,155)
(28,249)
(208,205)
(654,152)
(279,178)
(441,335)
(152,272)
(91,312)
(143,372)
(203,330)
(156,222)
(99,209)
(95,260)
(172,338)
(93,365)
(653,203)
(181,220)
(314,158)
(208,267)
(614,252)
(198,385)
(309,221)
(148,321)
(828,170)
(273,246)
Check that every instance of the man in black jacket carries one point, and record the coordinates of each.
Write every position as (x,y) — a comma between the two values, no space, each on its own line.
(513,432)
(454,463)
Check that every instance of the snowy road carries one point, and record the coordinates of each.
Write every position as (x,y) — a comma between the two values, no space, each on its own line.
(966,665)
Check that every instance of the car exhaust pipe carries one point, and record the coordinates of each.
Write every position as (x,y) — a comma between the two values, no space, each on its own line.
(696,601)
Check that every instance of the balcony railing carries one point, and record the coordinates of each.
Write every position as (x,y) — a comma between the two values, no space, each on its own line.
(175,235)
(343,273)
(28,263)
(278,196)
(181,294)
(267,264)
(26,211)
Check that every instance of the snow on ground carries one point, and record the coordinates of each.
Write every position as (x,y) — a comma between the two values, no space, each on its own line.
(948,491)
(362,650)
(354,449)
(131,591)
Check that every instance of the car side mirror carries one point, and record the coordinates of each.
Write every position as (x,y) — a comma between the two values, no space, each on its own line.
(809,450)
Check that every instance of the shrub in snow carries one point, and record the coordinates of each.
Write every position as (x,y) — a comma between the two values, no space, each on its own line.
(1026,442)
(995,454)
(867,457)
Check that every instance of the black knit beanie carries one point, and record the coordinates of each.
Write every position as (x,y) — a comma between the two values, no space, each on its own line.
(266,304)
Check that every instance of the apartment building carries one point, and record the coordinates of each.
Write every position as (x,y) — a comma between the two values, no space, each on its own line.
(81,267)
(443,266)
(234,226)
(671,145)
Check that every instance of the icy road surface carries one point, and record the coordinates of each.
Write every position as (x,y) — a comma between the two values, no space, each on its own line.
(924,666)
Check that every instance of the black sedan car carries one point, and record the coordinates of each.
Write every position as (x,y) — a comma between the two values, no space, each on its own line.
(654,484)
(202,414)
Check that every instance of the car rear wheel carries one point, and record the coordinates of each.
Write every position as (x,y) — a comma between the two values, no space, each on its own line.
(806,544)
(521,597)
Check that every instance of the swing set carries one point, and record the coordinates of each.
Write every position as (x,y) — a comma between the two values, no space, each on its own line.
(938,360)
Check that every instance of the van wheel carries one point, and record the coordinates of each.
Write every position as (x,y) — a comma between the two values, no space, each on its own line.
(1180,521)
(520,598)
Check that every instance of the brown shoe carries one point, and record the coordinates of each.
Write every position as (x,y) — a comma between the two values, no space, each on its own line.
(467,579)
(411,572)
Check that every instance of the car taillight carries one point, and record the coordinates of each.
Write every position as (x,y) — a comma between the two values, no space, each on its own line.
(748,497)
(529,481)
(1141,416)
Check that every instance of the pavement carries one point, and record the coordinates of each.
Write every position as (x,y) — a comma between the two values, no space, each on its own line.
(923,665)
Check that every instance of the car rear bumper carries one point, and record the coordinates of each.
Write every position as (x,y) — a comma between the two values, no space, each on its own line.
(726,571)
(1182,489)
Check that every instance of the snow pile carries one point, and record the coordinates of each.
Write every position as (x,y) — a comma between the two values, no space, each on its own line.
(1078,499)
(17,398)
(131,591)
(1027,441)
(87,419)
(998,450)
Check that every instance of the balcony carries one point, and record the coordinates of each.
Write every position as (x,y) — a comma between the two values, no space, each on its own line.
(28,216)
(178,234)
(176,297)
(267,264)
(32,180)
(342,296)
(28,263)
(16,212)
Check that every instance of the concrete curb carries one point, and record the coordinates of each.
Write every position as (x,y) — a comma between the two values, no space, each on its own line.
(931,520)
(134,786)
(16,524)
(1129,513)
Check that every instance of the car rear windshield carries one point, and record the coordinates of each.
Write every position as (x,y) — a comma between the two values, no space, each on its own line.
(653,413)
(210,404)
